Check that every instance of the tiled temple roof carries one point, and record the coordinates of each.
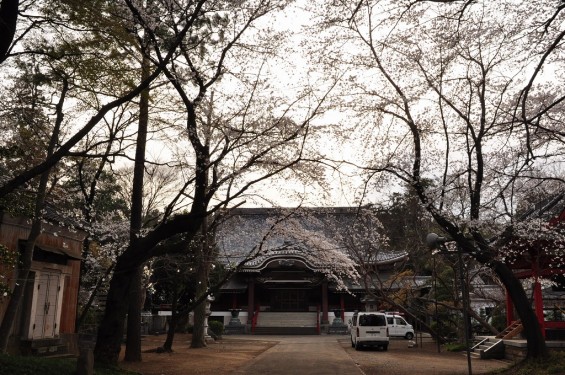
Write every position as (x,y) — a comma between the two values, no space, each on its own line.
(245,229)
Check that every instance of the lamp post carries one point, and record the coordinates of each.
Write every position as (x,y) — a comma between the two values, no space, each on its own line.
(435,312)
(436,242)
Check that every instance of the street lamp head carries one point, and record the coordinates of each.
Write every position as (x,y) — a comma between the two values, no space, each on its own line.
(434,241)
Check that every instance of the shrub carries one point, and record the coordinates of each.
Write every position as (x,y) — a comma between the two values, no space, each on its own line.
(455,347)
(216,327)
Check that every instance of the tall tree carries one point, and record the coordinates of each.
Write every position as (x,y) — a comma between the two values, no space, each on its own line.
(246,139)
(133,343)
(458,92)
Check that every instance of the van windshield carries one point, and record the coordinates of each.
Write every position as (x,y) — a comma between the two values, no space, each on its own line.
(372,320)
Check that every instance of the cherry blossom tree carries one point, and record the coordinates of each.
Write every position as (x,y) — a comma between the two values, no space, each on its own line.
(223,141)
(461,93)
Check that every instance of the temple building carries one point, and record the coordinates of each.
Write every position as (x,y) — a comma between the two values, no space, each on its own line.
(296,268)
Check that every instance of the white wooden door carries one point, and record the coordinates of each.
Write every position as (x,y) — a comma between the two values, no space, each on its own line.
(47,290)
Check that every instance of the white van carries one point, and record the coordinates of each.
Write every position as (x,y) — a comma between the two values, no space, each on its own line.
(369,329)
(398,327)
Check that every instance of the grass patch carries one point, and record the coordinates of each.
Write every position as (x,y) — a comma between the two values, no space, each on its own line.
(554,365)
(18,365)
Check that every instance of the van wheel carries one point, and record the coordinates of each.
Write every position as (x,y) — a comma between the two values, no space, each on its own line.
(409,336)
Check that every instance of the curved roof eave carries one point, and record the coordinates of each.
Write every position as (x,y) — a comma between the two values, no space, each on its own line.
(264,263)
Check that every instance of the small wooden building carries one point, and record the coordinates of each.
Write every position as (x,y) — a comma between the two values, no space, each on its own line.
(46,321)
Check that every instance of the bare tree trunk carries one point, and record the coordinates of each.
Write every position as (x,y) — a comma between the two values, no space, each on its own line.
(198,332)
(133,339)
(133,343)
(168,345)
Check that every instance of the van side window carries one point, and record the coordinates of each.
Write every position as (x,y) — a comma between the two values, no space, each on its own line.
(390,321)
(354,320)
(400,321)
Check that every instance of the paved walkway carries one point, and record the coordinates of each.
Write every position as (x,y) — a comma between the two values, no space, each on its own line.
(312,355)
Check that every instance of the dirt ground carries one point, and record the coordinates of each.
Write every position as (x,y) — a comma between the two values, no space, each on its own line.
(220,357)
(424,358)
(228,354)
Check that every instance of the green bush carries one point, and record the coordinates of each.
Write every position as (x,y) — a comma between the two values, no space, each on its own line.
(216,327)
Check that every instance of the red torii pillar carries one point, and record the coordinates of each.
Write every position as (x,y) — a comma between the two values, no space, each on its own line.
(538,298)
(509,310)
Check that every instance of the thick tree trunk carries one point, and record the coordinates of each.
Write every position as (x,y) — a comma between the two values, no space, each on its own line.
(8,22)
(133,339)
(198,332)
(111,330)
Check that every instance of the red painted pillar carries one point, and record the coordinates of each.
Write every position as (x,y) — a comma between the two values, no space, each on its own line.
(325,319)
(509,310)
(342,305)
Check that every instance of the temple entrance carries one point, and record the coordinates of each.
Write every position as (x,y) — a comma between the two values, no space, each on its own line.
(289,300)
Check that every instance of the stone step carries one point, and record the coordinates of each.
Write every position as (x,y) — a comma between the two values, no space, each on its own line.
(285,331)
(287,319)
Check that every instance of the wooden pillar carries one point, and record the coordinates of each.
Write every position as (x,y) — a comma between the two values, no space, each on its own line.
(250,298)
(325,319)
(234,301)
(342,305)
